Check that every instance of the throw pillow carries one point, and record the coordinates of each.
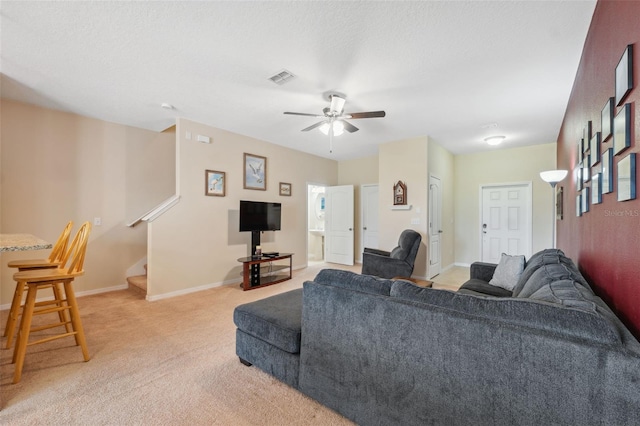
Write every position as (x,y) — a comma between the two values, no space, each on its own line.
(508,271)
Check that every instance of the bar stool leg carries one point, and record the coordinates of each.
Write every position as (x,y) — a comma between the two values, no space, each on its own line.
(9,330)
(23,335)
(75,319)
(62,315)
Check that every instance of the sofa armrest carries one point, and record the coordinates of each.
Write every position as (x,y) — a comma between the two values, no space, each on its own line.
(482,271)
(376,251)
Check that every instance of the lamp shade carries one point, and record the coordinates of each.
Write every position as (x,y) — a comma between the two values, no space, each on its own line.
(553,176)
(338,128)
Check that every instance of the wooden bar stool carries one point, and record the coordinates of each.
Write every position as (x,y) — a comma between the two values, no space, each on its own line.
(55,258)
(44,278)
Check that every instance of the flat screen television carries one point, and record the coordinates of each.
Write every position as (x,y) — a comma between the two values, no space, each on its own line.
(259,216)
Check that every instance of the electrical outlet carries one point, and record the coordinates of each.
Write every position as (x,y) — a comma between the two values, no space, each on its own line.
(415,221)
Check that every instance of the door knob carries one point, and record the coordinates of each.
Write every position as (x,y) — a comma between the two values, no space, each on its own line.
(365,228)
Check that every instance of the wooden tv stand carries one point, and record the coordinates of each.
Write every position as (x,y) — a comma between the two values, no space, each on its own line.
(256,275)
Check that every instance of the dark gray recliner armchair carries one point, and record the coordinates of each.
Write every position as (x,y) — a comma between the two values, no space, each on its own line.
(396,263)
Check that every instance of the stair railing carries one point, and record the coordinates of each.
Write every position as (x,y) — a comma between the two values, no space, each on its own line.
(157,211)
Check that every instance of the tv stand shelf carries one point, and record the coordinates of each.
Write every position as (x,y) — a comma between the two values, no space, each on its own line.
(256,274)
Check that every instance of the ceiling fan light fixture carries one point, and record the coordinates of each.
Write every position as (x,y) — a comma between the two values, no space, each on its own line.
(338,128)
(337,104)
(494,140)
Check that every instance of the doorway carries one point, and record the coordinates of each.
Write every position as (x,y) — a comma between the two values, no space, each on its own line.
(435,226)
(316,204)
(505,220)
(369,215)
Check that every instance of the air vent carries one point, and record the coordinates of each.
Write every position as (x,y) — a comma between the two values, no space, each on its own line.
(282,77)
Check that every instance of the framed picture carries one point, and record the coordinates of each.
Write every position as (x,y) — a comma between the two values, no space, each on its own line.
(606,119)
(584,197)
(215,183)
(578,176)
(580,150)
(578,205)
(586,171)
(285,189)
(596,189)
(622,130)
(594,150)
(627,178)
(624,75)
(586,136)
(606,172)
(255,172)
(559,205)
(399,194)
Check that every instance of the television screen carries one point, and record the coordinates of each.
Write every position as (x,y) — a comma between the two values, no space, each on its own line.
(259,216)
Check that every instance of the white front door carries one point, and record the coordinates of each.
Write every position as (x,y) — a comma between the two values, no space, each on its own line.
(506,221)
(369,216)
(435,225)
(339,225)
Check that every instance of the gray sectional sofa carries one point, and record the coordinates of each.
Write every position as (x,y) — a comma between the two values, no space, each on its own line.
(385,352)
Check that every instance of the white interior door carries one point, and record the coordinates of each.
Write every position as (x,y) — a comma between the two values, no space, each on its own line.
(339,225)
(435,226)
(506,221)
(369,216)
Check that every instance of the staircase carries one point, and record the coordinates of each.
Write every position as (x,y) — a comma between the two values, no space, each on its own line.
(138,283)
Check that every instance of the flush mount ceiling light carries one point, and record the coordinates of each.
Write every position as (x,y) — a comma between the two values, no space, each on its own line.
(167,106)
(494,140)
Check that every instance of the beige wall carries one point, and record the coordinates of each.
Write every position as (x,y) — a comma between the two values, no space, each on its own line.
(58,167)
(404,160)
(196,244)
(501,166)
(358,172)
(442,165)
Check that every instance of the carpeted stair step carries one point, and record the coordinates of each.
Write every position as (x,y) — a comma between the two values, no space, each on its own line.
(138,282)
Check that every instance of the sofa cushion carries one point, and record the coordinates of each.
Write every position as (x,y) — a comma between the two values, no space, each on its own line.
(482,288)
(530,313)
(353,281)
(508,271)
(276,320)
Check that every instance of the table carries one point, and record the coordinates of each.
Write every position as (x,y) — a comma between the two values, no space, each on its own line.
(254,275)
(21,242)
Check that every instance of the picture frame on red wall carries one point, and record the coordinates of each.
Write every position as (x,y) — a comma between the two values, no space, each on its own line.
(606,119)
(622,129)
(624,75)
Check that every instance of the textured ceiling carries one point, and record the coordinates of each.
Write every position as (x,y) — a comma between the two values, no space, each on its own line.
(440,69)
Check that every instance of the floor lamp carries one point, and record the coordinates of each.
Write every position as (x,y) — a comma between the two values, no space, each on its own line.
(552,177)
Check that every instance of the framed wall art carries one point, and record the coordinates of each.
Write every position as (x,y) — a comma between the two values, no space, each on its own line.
(584,197)
(624,75)
(285,189)
(255,172)
(578,205)
(596,189)
(627,178)
(606,172)
(606,119)
(622,130)
(215,183)
(586,136)
(559,204)
(594,150)
(586,171)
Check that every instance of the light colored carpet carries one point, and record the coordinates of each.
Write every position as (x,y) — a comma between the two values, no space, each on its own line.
(155,363)
(169,362)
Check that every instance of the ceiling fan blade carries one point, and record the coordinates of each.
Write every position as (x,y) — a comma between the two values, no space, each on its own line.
(313,126)
(349,127)
(370,114)
(303,113)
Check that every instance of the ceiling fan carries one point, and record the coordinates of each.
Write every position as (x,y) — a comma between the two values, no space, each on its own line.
(334,118)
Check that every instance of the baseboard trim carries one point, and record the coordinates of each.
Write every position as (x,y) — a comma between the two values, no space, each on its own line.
(203,287)
(464,265)
(78,294)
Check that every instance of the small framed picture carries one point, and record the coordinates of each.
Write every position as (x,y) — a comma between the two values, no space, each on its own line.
(624,75)
(285,189)
(627,178)
(596,189)
(594,150)
(215,183)
(606,170)
(578,205)
(622,130)
(586,136)
(584,197)
(606,119)
(255,172)
(559,204)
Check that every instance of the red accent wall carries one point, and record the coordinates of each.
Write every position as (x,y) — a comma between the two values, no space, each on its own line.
(604,242)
